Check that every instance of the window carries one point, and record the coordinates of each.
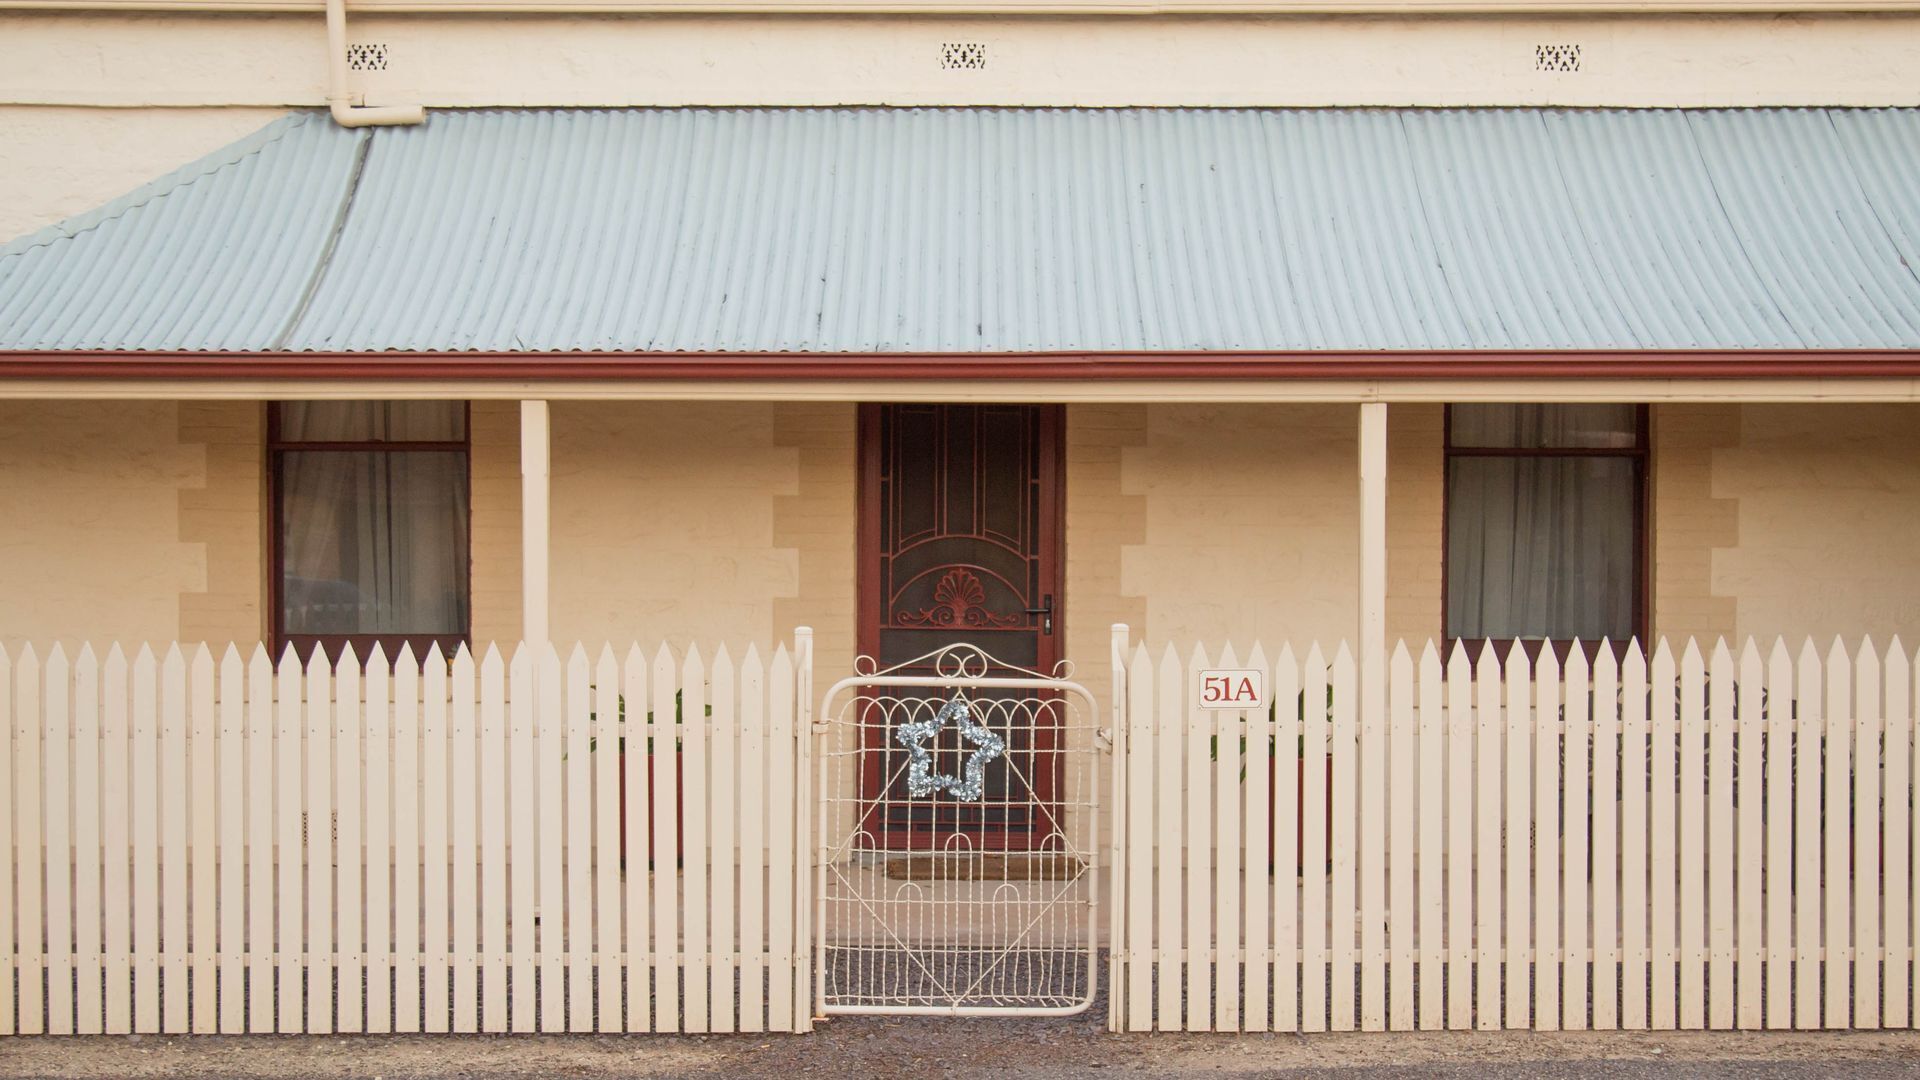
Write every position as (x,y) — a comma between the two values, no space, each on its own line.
(1546,523)
(369,525)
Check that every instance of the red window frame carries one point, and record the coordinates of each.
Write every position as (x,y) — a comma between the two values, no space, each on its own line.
(304,645)
(1640,454)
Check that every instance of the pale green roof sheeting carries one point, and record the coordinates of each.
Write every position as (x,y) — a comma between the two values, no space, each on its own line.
(1004,230)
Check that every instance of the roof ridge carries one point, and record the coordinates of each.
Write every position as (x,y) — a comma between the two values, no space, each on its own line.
(185,176)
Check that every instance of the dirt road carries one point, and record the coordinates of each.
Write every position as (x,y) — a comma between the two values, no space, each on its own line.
(911,1049)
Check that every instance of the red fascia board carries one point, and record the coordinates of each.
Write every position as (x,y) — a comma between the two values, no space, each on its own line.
(916,367)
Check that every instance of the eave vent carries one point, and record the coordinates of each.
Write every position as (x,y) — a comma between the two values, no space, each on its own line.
(1558,59)
(963,56)
(367,57)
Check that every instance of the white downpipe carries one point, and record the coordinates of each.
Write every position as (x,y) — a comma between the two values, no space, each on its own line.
(345,113)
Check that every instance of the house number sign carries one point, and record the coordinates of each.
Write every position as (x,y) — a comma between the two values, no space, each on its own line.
(1231,688)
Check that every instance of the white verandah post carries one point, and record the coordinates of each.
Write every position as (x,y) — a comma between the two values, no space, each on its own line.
(1373,706)
(536,514)
(1373,557)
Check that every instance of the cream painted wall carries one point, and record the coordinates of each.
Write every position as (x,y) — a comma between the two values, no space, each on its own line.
(1766,520)
(1205,522)
(663,523)
(145,521)
(90,518)
(225,516)
(449,60)
(816,520)
(58,162)
(1416,522)
(494,475)
(1252,523)
(1692,519)
(1103,520)
(1828,505)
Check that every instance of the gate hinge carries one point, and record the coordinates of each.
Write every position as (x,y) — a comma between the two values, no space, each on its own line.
(1104,737)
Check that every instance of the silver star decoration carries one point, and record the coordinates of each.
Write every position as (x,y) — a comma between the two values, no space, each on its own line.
(916,737)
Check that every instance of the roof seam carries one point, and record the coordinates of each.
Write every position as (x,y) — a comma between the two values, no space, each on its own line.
(1580,226)
(325,261)
(1733,227)
(1438,249)
(1853,169)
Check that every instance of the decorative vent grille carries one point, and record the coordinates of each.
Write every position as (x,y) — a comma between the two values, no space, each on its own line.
(1556,58)
(963,56)
(367,57)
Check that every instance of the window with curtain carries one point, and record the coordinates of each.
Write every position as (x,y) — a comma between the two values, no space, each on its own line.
(1545,522)
(369,524)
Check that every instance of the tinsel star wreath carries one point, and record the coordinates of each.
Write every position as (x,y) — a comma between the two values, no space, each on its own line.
(918,735)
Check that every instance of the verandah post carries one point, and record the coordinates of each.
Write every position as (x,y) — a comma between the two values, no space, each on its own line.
(1373,701)
(536,488)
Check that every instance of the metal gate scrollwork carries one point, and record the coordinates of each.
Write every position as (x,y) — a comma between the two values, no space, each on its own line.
(956,865)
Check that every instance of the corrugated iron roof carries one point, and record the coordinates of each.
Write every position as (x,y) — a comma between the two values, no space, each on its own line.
(1004,230)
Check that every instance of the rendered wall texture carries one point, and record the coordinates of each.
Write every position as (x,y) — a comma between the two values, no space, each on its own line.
(815,519)
(495,549)
(1416,522)
(609,60)
(1103,519)
(702,523)
(145,521)
(1692,521)
(226,514)
(663,520)
(1828,502)
(1252,523)
(58,162)
(90,522)
(1242,522)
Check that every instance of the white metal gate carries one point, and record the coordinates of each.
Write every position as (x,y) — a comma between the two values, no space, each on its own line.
(957,856)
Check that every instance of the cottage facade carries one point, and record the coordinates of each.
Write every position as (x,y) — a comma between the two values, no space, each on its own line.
(1751,505)
(917,325)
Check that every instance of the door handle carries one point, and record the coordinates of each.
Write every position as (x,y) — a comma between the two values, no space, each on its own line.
(1045,611)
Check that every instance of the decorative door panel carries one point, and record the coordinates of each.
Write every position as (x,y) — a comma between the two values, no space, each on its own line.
(960,528)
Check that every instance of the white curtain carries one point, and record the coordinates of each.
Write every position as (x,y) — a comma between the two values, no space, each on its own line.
(372,542)
(1541,546)
(1540,427)
(370,421)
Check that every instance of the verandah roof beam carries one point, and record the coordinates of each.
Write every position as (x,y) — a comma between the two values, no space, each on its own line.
(1755,375)
(931,367)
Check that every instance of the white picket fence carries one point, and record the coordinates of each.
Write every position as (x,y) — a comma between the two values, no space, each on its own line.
(167,862)
(1695,840)
(1691,841)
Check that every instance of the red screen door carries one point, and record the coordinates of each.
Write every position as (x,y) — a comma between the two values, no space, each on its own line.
(960,542)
